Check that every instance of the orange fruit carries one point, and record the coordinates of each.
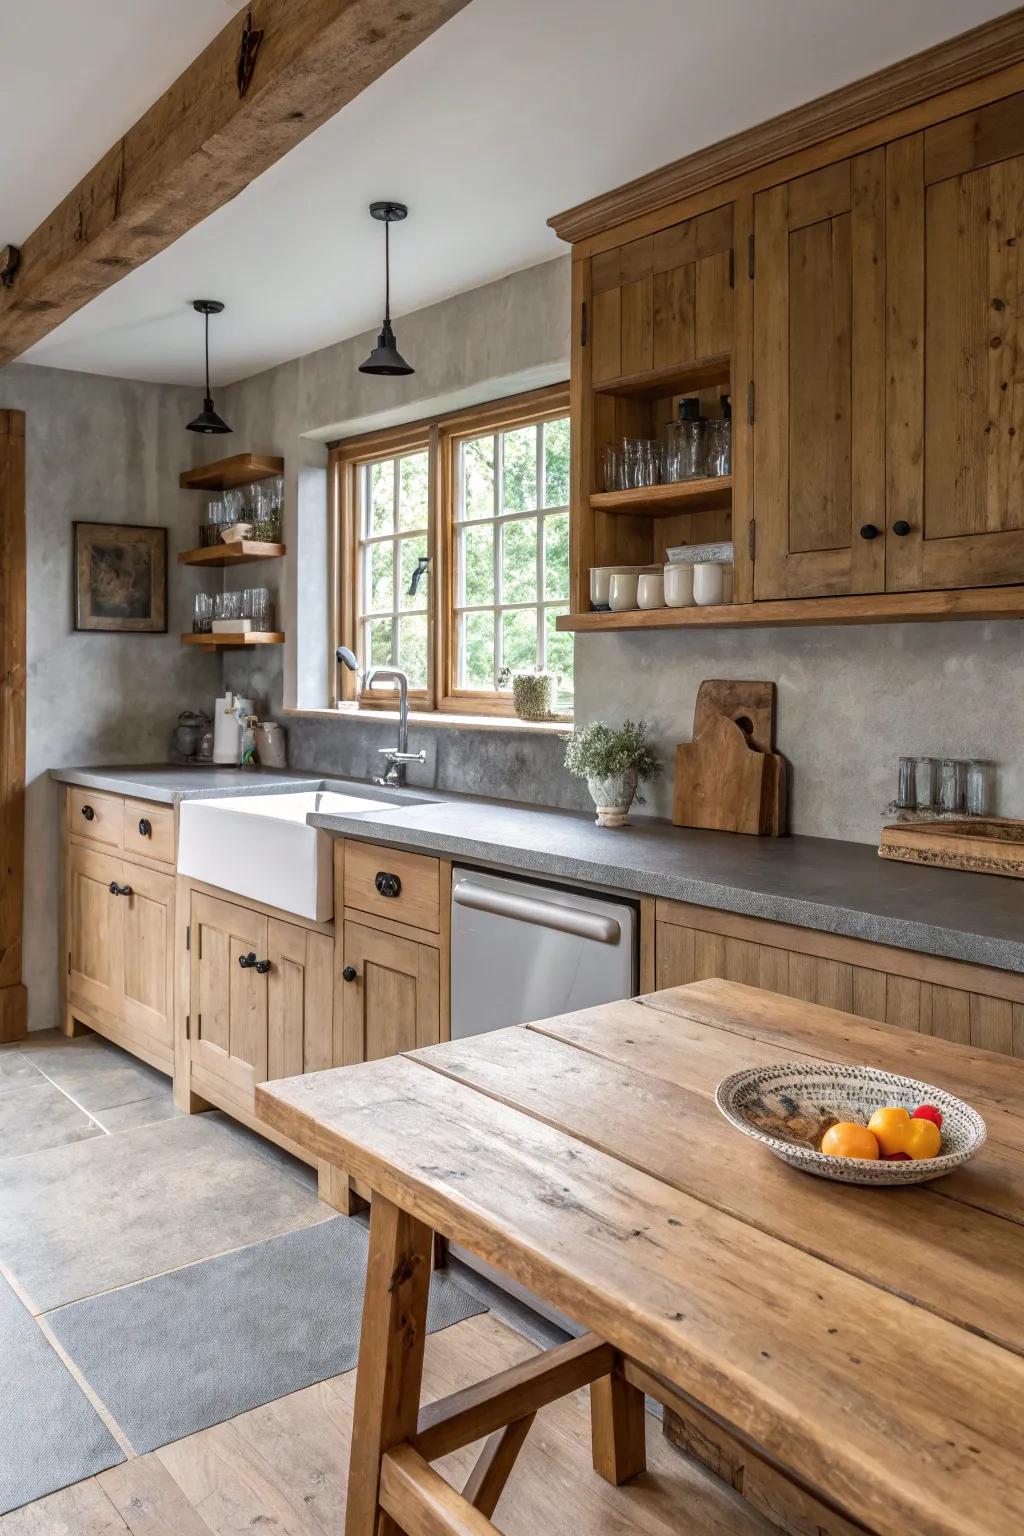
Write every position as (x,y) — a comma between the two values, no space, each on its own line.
(850,1140)
(890,1127)
(923,1139)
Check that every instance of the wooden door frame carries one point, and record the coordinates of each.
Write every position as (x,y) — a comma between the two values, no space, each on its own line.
(13,585)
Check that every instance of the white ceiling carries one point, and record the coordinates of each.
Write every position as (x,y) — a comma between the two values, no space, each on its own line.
(512,111)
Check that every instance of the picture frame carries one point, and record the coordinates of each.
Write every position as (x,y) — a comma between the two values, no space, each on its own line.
(120,578)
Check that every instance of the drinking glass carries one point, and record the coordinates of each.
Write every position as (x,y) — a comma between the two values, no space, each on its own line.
(926,782)
(630,464)
(259,608)
(202,613)
(906,792)
(979,787)
(691,448)
(650,462)
(718,447)
(952,786)
(610,467)
(227,605)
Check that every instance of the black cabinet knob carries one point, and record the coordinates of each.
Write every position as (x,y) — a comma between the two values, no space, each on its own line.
(262,967)
(901,529)
(88,813)
(869,531)
(247,961)
(119,890)
(350,973)
(145,827)
(387,885)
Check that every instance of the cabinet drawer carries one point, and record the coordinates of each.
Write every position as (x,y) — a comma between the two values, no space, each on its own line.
(149,830)
(95,817)
(405,886)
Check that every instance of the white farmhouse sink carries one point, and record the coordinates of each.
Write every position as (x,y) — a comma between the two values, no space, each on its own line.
(260,846)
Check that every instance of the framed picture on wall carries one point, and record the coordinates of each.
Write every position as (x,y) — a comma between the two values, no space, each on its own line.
(121,578)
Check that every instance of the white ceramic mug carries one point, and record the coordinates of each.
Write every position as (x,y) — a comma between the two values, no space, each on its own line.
(600,577)
(708,584)
(622,591)
(650,590)
(678,583)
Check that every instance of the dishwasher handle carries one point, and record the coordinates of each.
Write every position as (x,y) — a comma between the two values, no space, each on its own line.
(531,909)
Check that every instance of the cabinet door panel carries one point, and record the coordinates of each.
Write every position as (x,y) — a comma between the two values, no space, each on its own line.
(957,209)
(148,953)
(229,1001)
(819,368)
(664,300)
(300,1035)
(393,1004)
(95,931)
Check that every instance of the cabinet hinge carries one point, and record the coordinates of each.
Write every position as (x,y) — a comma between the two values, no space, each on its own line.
(732,267)
(583,323)
(750,403)
(752,538)
(69,962)
(188,1027)
(750,257)
(188,937)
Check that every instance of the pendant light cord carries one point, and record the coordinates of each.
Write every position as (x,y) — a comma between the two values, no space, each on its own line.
(387,271)
(206,317)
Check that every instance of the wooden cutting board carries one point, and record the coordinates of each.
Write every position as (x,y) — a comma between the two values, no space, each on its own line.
(988,845)
(727,777)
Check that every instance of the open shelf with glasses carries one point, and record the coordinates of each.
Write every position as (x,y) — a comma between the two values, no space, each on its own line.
(667,500)
(229,479)
(212,642)
(231,474)
(243,552)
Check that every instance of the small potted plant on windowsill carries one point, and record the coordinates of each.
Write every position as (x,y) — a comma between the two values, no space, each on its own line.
(533,693)
(614,760)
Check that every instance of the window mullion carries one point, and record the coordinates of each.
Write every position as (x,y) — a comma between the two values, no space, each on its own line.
(498,456)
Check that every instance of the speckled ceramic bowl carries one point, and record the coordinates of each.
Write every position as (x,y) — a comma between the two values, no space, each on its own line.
(751,1100)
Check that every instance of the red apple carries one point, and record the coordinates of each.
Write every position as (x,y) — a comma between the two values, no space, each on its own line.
(928,1112)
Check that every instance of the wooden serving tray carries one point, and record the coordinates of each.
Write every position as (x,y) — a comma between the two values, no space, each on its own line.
(985,845)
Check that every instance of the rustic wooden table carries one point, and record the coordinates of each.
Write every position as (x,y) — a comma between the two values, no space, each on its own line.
(868,1342)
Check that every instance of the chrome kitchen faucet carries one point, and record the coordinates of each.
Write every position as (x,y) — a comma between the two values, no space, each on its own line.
(397,757)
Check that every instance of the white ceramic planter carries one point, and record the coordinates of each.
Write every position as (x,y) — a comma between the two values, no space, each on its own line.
(613,798)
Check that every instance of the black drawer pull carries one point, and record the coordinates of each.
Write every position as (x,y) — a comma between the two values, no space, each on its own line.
(119,890)
(145,827)
(387,885)
(869,531)
(901,528)
(350,973)
(250,963)
(88,813)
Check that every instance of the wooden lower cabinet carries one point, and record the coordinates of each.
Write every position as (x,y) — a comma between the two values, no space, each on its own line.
(392,1001)
(120,923)
(259,1000)
(970,1004)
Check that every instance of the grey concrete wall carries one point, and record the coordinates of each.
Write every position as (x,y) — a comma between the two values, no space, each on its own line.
(851,700)
(101,450)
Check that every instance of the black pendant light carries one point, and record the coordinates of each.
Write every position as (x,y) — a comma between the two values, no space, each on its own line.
(208,421)
(385,357)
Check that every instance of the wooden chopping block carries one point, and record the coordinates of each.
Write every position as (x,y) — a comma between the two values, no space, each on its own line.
(721,781)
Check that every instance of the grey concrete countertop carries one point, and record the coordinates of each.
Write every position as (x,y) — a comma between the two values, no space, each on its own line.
(170,783)
(812,882)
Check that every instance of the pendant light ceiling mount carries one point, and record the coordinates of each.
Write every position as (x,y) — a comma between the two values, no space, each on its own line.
(208,421)
(385,358)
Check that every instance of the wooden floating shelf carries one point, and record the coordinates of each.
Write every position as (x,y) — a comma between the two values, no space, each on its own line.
(240,553)
(866,608)
(229,474)
(666,500)
(680,379)
(213,642)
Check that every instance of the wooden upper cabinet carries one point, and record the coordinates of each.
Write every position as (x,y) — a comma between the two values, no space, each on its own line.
(956,218)
(663,300)
(819,366)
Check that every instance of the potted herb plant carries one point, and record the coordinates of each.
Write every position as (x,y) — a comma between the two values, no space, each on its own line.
(533,693)
(614,760)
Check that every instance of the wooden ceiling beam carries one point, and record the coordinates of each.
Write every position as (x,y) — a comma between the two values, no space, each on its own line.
(202,143)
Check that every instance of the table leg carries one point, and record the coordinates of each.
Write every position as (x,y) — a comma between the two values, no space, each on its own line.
(390,1356)
(618,1428)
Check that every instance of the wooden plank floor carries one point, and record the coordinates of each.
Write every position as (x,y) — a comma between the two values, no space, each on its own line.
(282,1468)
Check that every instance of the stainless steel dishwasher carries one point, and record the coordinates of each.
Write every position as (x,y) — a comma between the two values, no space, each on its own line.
(524,951)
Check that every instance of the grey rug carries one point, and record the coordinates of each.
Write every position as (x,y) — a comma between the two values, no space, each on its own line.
(50,1434)
(180,1352)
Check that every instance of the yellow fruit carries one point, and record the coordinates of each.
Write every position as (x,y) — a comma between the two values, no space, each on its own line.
(850,1140)
(890,1128)
(922,1139)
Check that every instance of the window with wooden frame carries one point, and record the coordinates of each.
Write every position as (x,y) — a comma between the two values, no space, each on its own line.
(453,554)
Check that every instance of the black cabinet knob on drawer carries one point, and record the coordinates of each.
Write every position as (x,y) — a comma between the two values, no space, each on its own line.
(901,529)
(145,827)
(350,973)
(869,531)
(119,890)
(88,813)
(387,885)
(247,961)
